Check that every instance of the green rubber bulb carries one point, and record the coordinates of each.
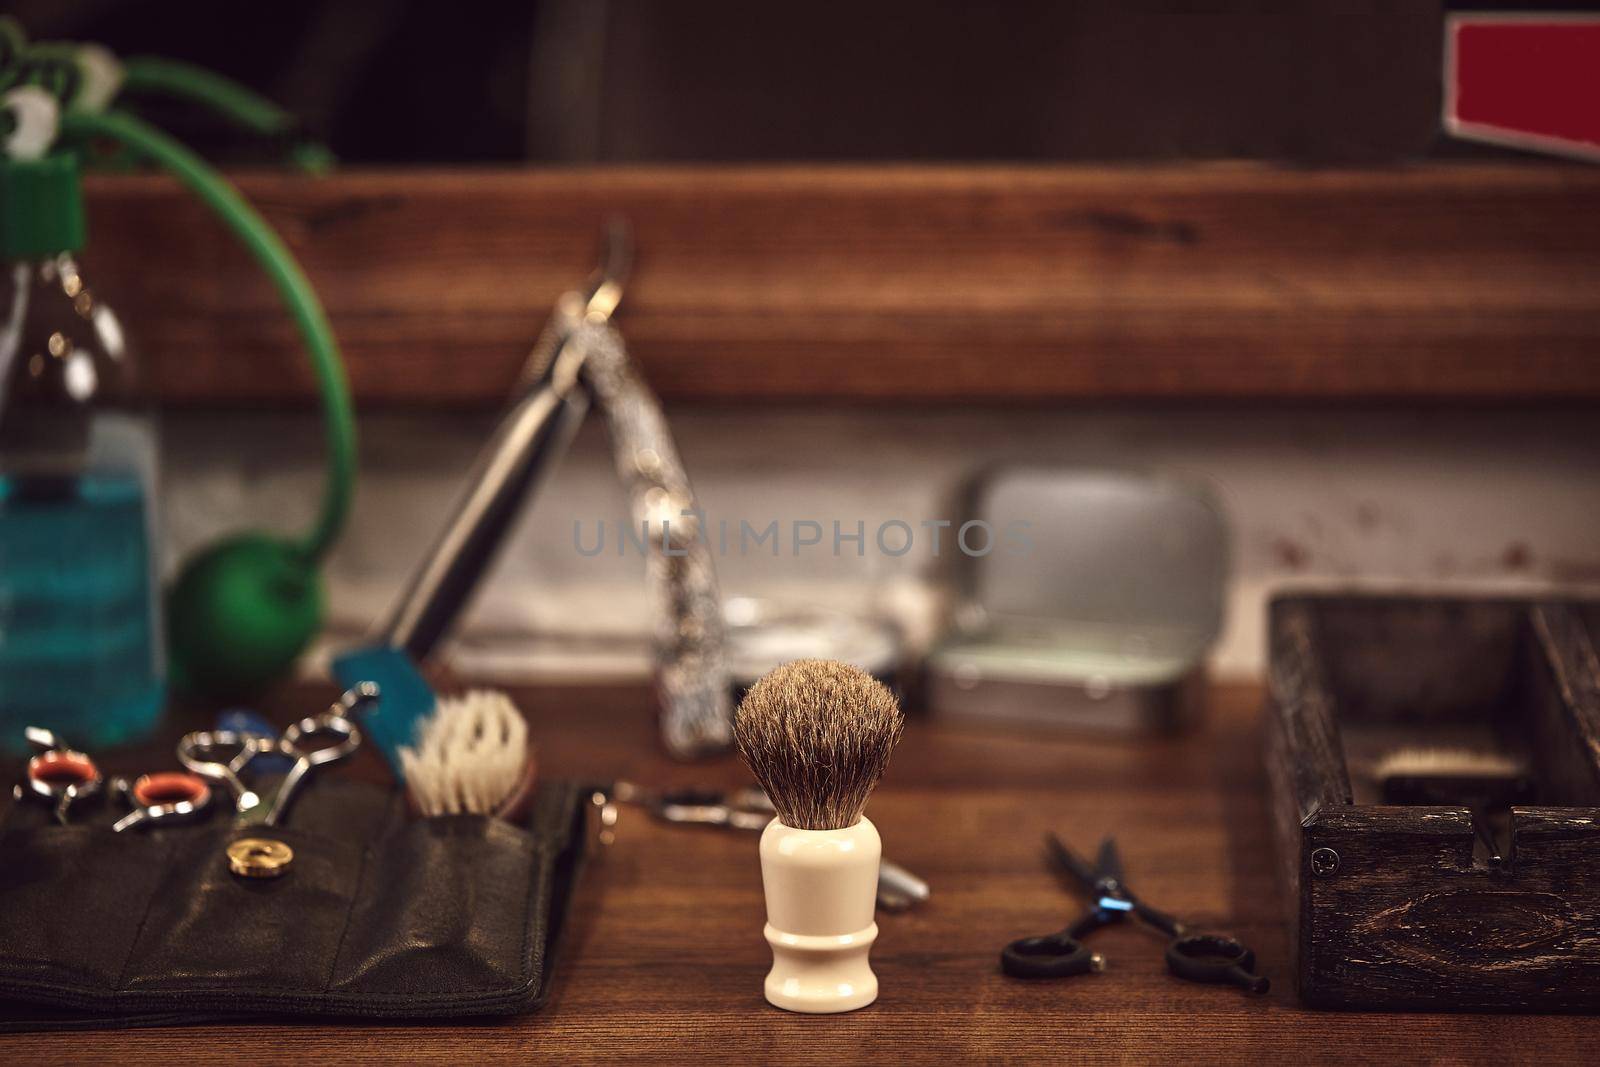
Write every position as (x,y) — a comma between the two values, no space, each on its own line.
(240,614)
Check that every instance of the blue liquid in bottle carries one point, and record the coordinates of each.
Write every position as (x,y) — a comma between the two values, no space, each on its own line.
(79,645)
(81,648)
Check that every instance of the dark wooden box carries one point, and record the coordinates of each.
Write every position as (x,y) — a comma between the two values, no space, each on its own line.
(1403,907)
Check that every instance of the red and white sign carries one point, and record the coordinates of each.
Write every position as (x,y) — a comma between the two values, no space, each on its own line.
(1524,80)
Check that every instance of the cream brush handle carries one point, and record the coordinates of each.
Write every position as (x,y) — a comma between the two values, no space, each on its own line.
(821,888)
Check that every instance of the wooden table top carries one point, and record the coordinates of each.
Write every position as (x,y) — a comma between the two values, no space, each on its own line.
(663,958)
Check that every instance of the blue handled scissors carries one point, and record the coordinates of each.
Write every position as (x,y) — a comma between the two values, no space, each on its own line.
(315,741)
(1192,957)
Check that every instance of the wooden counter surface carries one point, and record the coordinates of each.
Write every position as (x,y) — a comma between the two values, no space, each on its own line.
(663,956)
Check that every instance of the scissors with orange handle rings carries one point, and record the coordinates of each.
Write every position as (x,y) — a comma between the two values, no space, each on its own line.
(58,775)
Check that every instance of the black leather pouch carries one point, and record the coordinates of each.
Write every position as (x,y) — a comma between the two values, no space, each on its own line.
(378,914)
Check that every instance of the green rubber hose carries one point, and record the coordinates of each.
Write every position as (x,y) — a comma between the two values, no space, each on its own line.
(279,264)
(243,610)
(224,97)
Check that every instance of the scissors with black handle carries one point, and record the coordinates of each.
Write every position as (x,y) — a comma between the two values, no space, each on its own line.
(1194,957)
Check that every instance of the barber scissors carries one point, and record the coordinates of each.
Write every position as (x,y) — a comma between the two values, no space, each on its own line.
(58,775)
(315,741)
(1190,956)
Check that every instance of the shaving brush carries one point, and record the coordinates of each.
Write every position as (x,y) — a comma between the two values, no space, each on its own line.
(817,735)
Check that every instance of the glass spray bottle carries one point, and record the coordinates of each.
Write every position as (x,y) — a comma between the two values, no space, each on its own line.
(80,637)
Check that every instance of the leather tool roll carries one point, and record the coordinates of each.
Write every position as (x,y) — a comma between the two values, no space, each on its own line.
(378,914)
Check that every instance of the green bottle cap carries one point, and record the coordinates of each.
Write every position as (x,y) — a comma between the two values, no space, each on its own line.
(41,207)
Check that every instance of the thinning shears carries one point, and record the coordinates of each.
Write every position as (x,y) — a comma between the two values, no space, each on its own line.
(1193,957)
(62,776)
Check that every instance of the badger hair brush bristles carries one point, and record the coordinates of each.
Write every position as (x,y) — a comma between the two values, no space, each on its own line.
(817,735)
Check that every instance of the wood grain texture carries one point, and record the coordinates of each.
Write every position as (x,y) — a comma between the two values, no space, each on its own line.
(1392,908)
(1566,704)
(893,284)
(1409,919)
(1306,720)
(663,956)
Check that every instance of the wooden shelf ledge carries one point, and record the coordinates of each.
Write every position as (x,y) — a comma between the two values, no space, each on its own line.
(909,284)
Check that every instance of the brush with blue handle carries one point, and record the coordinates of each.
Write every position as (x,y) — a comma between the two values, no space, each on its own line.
(522,450)
(516,459)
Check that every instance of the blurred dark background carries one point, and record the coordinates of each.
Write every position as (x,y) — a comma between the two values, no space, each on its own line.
(581,81)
